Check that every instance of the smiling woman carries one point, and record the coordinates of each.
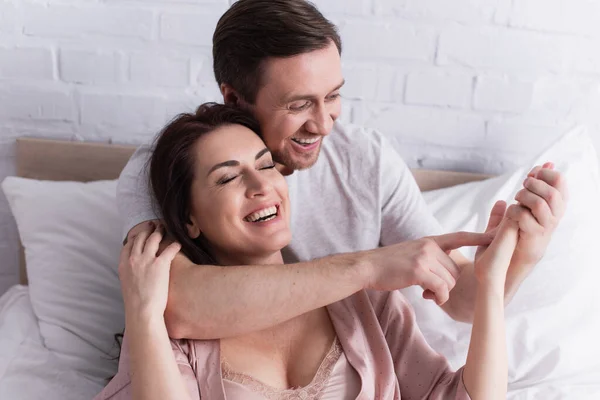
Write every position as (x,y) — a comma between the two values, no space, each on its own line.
(215,160)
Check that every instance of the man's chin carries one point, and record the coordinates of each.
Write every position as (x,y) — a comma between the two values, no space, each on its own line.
(297,163)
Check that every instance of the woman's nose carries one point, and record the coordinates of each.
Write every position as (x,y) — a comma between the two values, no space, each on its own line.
(257,185)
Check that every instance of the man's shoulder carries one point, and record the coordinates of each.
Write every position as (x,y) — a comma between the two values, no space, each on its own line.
(355,139)
(346,130)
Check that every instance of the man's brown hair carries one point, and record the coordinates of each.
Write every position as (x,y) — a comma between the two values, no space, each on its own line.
(252,31)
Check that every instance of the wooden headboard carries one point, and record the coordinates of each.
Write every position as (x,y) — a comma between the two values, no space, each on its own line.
(56,160)
(60,160)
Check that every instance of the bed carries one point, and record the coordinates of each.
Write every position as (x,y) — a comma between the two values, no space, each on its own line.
(57,326)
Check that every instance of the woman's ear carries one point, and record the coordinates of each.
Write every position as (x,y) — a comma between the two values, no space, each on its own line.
(193,229)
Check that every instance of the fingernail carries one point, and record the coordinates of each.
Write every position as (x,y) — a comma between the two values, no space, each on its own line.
(549,165)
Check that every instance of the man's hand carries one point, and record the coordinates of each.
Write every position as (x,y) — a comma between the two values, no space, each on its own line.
(424,262)
(541,206)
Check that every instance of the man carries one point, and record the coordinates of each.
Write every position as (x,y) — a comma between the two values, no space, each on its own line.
(350,192)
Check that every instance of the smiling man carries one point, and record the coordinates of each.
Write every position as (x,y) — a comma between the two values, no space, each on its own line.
(358,218)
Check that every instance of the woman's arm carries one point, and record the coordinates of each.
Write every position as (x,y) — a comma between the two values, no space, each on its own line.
(154,370)
(144,278)
(486,371)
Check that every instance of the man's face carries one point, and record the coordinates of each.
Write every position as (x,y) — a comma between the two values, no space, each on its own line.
(298,104)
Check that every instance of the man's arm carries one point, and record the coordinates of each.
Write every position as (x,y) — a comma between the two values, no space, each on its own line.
(207,302)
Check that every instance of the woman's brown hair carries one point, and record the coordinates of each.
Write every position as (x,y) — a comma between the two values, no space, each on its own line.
(172,169)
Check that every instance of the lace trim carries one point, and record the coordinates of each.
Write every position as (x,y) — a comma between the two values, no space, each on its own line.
(311,391)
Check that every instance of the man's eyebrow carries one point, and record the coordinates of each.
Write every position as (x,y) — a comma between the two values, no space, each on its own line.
(310,96)
(338,87)
(230,163)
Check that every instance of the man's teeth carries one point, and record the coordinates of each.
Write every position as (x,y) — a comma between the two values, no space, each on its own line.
(262,215)
(306,141)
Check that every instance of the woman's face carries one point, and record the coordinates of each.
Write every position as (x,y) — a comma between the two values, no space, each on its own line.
(239,200)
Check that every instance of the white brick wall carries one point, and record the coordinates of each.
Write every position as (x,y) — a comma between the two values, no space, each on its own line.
(89,67)
(465,84)
(503,95)
(26,63)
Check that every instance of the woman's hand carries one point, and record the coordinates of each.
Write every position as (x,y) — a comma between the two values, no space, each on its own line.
(492,262)
(144,275)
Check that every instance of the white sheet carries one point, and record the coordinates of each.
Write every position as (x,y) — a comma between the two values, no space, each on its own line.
(29,371)
(557,391)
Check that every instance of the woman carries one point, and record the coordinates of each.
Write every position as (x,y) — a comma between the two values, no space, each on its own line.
(224,201)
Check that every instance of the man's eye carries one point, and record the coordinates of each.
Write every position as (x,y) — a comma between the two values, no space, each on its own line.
(300,107)
(333,97)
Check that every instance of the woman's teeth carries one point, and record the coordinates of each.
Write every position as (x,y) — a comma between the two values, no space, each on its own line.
(306,141)
(262,215)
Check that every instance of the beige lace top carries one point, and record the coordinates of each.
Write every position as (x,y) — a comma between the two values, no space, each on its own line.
(335,379)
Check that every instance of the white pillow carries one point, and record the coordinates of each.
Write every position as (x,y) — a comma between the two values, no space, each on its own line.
(553,322)
(71,231)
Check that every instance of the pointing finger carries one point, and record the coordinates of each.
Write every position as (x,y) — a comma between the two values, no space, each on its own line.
(453,241)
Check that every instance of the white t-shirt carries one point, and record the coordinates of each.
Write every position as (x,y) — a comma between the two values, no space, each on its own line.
(359,195)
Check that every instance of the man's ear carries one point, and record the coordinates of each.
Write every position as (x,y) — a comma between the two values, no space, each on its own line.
(230,95)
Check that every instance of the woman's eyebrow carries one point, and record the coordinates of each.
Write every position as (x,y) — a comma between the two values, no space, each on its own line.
(261,153)
(230,163)
(233,163)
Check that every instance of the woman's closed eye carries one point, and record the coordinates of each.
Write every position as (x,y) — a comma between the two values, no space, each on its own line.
(269,166)
(226,179)
(229,178)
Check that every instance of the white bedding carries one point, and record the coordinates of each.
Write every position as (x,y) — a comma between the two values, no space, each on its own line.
(29,371)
